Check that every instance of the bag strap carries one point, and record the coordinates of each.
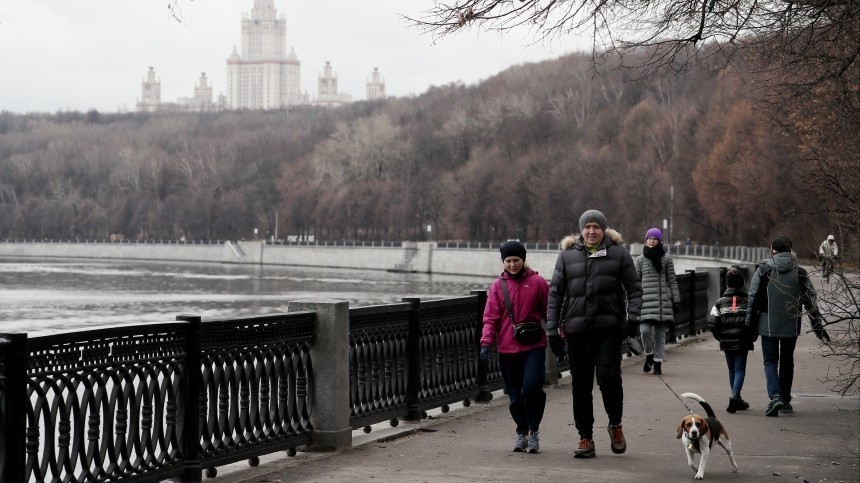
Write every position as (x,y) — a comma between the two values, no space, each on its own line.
(508,301)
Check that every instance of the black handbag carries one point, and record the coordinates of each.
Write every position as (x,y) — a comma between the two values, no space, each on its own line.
(527,332)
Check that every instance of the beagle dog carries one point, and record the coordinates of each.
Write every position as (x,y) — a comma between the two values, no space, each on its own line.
(699,434)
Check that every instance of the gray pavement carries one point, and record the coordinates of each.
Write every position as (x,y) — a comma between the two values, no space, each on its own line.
(819,442)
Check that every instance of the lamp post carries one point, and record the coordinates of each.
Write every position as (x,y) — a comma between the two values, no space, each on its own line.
(671,230)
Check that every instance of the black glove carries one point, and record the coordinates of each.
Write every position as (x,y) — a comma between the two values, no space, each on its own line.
(676,308)
(819,331)
(486,353)
(631,329)
(556,345)
(633,345)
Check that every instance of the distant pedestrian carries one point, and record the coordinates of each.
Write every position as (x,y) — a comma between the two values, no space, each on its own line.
(519,298)
(727,321)
(595,297)
(660,298)
(779,291)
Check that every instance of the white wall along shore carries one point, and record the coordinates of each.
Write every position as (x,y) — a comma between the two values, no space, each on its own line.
(418,257)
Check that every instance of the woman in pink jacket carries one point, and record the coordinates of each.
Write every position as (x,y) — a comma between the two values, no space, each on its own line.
(522,364)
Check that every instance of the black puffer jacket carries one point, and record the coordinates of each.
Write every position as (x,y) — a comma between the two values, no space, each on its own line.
(601,288)
(727,321)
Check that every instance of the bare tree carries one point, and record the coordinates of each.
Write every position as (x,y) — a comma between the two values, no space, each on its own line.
(674,30)
(839,300)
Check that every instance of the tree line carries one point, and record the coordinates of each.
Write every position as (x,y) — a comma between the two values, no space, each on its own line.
(518,155)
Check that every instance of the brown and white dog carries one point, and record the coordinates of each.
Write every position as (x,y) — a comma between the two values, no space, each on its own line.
(699,434)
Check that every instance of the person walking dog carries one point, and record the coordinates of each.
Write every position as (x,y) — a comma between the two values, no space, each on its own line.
(595,297)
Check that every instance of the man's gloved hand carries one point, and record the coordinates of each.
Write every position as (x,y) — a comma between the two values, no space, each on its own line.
(676,308)
(631,329)
(486,353)
(633,345)
(818,329)
(556,345)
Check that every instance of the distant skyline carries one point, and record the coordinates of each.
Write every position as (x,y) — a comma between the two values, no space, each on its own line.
(93,54)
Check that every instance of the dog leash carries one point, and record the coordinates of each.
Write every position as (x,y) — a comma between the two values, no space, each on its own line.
(675,394)
(670,389)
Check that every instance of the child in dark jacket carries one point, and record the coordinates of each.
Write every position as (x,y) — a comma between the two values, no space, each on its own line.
(726,321)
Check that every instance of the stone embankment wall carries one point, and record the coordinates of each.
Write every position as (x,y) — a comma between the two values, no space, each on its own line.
(420,257)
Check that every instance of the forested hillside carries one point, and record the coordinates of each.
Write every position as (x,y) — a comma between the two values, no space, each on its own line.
(520,155)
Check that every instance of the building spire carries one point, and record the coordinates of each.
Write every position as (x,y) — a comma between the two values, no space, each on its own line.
(263,10)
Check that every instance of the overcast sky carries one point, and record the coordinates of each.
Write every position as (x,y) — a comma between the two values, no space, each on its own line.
(93,54)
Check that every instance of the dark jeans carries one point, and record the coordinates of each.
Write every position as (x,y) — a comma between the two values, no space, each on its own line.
(737,364)
(778,354)
(524,374)
(595,352)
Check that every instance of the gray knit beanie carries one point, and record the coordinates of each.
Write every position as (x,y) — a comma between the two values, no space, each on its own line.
(592,215)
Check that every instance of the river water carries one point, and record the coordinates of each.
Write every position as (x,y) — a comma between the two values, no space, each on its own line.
(43,296)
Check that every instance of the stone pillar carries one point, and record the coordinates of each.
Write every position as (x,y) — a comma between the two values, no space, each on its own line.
(713,284)
(330,356)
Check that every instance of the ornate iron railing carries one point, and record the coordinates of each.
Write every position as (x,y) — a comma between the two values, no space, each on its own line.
(378,363)
(151,402)
(256,377)
(106,404)
(158,401)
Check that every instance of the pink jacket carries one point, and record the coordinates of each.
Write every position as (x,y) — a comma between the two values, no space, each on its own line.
(528,296)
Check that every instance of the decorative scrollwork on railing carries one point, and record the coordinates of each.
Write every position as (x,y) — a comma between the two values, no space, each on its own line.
(94,413)
(448,344)
(256,375)
(378,363)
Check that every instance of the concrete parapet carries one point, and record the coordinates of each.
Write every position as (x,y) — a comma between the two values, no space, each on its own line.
(420,257)
(330,356)
(714,291)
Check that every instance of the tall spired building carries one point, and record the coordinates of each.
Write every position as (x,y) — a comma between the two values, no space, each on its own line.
(263,76)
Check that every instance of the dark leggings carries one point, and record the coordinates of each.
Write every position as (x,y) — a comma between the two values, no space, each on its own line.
(524,374)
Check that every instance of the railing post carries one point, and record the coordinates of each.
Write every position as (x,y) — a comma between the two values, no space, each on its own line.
(189,411)
(330,355)
(692,314)
(13,399)
(716,285)
(413,349)
(484,393)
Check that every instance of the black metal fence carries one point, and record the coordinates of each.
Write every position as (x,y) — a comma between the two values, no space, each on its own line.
(172,400)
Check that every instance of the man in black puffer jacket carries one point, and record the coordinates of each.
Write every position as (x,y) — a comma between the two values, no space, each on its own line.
(595,296)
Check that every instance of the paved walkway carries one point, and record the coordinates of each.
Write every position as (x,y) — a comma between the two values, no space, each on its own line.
(820,441)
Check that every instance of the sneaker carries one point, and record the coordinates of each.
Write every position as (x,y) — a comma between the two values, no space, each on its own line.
(773,408)
(733,405)
(658,368)
(534,443)
(619,444)
(521,443)
(742,405)
(787,409)
(585,448)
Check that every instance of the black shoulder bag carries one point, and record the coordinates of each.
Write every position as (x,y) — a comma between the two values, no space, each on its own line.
(526,333)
